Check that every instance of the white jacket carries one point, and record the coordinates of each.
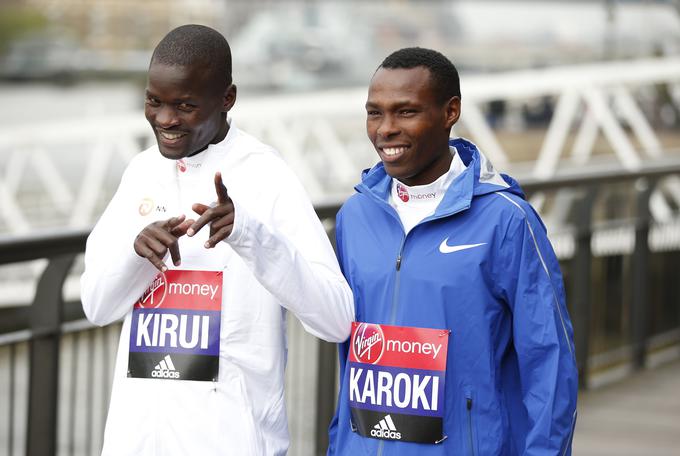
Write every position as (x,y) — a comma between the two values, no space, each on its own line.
(278,257)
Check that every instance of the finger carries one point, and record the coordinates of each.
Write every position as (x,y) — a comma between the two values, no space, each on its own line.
(220,235)
(227,219)
(222,195)
(146,252)
(156,247)
(178,231)
(181,229)
(159,238)
(174,221)
(199,208)
(174,253)
(205,216)
(200,223)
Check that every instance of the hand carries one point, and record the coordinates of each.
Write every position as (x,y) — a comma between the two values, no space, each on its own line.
(154,241)
(220,216)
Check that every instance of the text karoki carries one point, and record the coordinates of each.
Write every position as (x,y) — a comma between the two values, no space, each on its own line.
(401,390)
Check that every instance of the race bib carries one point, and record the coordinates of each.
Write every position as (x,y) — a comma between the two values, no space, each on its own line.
(396,382)
(175,329)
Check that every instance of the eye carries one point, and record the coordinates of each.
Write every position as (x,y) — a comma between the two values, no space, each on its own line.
(186,107)
(407,112)
(151,101)
(372,113)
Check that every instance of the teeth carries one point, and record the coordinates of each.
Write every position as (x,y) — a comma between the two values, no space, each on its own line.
(171,135)
(394,150)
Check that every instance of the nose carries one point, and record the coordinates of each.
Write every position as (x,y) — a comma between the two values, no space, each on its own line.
(387,127)
(166,116)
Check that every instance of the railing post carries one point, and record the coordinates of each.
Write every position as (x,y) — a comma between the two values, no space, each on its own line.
(581,282)
(327,370)
(46,314)
(325,394)
(640,273)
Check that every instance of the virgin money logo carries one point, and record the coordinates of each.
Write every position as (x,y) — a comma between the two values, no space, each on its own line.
(368,343)
(145,206)
(154,296)
(181,166)
(402,192)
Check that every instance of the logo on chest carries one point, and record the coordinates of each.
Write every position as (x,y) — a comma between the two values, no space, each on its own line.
(444,247)
(147,206)
(369,343)
(402,193)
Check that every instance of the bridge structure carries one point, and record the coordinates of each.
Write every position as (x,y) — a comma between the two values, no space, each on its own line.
(596,147)
(61,173)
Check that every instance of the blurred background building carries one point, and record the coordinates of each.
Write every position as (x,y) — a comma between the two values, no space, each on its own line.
(580,100)
(329,43)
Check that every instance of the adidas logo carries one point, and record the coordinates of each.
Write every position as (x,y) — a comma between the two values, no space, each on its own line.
(386,429)
(165,369)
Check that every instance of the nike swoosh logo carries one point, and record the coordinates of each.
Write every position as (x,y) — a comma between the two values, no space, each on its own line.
(444,247)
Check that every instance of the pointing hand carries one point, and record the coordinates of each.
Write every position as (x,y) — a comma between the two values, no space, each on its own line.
(154,241)
(220,217)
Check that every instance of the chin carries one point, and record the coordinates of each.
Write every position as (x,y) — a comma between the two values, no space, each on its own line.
(392,172)
(172,154)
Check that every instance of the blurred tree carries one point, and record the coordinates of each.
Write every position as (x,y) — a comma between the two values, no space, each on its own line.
(16,22)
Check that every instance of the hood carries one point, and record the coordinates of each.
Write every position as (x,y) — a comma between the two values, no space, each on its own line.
(479,178)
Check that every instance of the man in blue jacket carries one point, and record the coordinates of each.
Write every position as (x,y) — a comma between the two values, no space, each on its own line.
(462,343)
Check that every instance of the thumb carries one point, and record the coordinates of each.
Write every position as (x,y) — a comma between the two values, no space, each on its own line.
(220,189)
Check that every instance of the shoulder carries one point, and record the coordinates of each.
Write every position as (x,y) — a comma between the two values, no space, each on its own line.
(258,176)
(143,163)
(249,152)
(355,204)
(510,204)
(520,220)
(516,208)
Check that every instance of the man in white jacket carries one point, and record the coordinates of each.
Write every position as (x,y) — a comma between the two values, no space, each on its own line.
(203,275)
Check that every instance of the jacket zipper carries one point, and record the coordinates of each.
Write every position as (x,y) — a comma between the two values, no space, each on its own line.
(469,414)
(393,313)
(381,445)
(397,280)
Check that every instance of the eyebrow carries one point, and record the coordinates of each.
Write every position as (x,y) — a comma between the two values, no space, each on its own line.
(394,105)
(188,100)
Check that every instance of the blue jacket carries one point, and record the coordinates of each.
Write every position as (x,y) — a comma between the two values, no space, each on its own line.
(511,379)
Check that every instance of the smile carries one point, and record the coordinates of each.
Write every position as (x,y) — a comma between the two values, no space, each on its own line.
(392,151)
(170,136)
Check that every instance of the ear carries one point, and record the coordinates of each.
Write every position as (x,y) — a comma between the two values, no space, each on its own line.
(452,112)
(229,98)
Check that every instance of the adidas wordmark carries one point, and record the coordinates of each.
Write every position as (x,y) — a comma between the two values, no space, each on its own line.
(165,369)
(386,429)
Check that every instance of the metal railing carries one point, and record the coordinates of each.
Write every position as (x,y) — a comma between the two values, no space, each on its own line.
(63,172)
(35,339)
(63,388)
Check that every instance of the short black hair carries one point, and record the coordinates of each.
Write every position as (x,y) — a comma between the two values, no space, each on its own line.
(443,73)
(193,44)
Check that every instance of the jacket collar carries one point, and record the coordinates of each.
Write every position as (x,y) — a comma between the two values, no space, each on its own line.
(478,178)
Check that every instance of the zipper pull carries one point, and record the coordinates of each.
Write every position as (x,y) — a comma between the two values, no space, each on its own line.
(398,262)
(469,403)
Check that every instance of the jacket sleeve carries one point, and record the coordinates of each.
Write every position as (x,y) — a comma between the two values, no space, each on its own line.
(293,259)
(115,276)
(542,335)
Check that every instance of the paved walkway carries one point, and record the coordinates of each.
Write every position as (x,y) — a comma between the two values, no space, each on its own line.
(639,416)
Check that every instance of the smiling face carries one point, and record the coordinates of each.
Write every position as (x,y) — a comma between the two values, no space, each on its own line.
(187,108)
(409,125)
